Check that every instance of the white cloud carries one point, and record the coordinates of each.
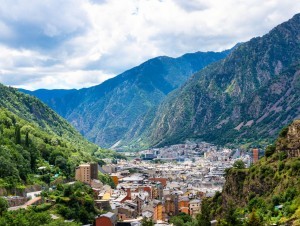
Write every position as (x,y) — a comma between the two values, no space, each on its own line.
(78,43)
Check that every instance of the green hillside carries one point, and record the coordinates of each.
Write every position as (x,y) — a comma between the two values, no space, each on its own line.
(33,136)
(34,111)
(268,193)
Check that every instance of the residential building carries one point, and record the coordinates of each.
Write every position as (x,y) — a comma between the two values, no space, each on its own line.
(194,206)
(86,172)
(255,155)
(157,211)
(108,219)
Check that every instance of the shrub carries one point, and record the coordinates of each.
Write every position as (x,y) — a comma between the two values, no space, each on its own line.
(282,155)
(239,164)
(295,167)
(256,203)
(270,150)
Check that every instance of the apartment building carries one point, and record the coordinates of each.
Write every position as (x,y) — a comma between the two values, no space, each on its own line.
(86,172)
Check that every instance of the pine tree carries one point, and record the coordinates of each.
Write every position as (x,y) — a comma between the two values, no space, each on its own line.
(18,134)
(27,139)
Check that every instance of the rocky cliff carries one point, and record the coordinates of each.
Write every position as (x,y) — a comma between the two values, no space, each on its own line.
(273,181)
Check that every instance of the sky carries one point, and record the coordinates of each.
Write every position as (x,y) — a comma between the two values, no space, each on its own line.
(56,44)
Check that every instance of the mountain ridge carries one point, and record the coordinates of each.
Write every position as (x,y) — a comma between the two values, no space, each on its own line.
(106,112)
(235,97)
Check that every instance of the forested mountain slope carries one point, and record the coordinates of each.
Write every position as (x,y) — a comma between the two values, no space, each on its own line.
(246,97)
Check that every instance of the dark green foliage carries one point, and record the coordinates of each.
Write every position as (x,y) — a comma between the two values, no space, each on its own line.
(270,150)
(18,134)
(27,139)
(74,202)
(256,203)
(239,164)
(181,219)
(31,217)
(3,206)
(282,155)
(147,222)
(295,166)
(231,217)
(283,132)
(204,217)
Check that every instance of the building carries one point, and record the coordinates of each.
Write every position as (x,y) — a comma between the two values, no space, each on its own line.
(183,204)
(108,219)
(194,206)
(171,205)
(109,168)
(255,155)
(86,172)
(157,211)
(94,170)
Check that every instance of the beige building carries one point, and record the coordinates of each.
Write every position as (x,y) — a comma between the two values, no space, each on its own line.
(194,206)
(86,172)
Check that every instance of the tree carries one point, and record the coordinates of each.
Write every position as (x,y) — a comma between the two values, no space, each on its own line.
(61,162)
(254,220)
(239,164)
(3,205)
(7,168)
(203,219)
(231,216)
(18,134)
(147,222)
(27,139)
(270,150)
(181,219)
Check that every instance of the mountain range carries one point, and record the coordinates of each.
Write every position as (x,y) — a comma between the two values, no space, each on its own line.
(106,113)
(244,95)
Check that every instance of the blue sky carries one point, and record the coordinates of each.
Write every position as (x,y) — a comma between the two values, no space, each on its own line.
(80,43)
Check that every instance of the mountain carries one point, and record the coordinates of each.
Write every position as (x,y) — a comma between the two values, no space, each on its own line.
(47,95)
(32,136)
(246,97)
(34,111)
(107,112)
(268,193)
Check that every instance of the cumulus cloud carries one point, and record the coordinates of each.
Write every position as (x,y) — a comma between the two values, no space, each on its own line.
(79,43)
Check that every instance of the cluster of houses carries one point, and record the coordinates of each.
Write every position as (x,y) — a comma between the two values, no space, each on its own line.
(157,191)
(140,195)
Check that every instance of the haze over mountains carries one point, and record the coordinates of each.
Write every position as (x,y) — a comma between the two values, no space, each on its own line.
(246,97)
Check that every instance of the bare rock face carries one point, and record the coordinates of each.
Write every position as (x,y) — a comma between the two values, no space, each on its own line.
(289,140)
(293,139)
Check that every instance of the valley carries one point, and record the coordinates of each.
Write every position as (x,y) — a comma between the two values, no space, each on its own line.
(207,138)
